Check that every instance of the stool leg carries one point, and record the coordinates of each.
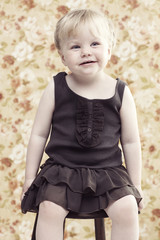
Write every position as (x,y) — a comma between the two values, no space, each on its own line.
(34,228)
(99,229)
(64,227)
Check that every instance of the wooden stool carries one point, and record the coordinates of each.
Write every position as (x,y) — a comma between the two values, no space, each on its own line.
(98,221)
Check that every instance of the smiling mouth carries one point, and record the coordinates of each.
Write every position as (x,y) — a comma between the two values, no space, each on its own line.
(88,62)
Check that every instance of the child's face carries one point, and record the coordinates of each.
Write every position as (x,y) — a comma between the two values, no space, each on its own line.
(84,53)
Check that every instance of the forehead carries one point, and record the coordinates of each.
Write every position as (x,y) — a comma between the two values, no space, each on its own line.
(98,27)
(85,29)
(82,32)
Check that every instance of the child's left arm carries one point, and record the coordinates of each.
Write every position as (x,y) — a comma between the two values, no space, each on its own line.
(130,139)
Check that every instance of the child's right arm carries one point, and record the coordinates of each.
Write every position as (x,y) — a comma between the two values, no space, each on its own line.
(39,135)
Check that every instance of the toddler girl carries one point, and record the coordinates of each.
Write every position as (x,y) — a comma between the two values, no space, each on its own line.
(88,113)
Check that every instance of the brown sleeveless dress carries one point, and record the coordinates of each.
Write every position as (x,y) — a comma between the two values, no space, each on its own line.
(84,172)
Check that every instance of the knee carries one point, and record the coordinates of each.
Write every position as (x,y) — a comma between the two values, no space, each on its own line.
(52,210)
(124,210)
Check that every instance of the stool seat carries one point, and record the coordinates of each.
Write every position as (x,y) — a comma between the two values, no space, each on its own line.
(98,221)
(99,214)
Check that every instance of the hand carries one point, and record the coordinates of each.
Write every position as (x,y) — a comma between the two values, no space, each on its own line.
(26,185)
(141,204)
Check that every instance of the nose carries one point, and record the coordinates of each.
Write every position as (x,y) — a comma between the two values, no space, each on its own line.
(85,51)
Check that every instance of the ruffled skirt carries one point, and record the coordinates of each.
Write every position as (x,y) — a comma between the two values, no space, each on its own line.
(81,190)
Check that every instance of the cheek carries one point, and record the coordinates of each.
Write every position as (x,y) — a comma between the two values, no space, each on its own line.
(69,60)
(102,56)
(72,57)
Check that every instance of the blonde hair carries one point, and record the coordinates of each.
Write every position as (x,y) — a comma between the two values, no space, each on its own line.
(70,23)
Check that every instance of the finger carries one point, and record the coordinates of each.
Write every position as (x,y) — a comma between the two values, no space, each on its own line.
(141,205)
(22,196)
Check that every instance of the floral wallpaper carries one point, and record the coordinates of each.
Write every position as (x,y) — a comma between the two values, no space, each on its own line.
(28,59)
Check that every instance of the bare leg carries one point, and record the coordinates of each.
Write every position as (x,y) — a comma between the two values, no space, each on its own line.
(124,216)
(50,221)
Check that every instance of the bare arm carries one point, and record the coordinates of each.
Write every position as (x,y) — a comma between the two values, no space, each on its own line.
(130,138)
(39,134)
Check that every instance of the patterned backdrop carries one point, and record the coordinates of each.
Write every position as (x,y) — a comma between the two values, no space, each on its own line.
(28,59)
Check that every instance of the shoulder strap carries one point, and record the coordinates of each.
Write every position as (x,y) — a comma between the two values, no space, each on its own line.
(121,87)
(59,82)
(59,88)
(59,77)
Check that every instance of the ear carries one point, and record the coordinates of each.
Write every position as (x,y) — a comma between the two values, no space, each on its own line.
(62,57)
(109,54)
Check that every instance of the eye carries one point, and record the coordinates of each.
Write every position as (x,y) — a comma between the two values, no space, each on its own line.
(95,44)
(75,47)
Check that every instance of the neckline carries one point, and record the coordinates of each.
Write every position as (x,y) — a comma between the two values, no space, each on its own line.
(88,99)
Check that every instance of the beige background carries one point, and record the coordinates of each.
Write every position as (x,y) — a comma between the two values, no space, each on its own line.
(28,60)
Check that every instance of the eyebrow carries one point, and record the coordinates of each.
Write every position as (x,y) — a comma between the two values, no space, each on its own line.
(76,40)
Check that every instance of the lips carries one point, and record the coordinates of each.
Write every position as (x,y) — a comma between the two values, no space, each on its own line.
(87,62)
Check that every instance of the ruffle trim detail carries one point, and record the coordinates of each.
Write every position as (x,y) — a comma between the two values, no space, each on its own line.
(89,122)
(91,189)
